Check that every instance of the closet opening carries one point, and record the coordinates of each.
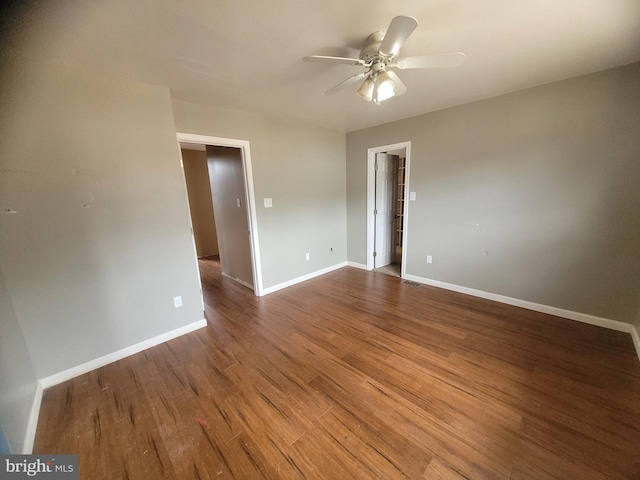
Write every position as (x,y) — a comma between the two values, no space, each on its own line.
(387,197)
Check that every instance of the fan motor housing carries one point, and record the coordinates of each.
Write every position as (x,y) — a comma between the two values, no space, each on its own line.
(372,45)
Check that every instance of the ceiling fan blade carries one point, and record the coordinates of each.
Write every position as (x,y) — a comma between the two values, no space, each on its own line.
(329,59)
(399,87)
(347,82)
(444,60)
(399,30)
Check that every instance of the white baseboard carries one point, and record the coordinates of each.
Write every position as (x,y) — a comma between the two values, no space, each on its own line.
(32,425)
(303,278)
(636,340)
(361,266)
(241,282)
(73,372)
(559,312)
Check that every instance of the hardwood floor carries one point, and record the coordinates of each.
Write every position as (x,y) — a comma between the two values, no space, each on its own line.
(352,375)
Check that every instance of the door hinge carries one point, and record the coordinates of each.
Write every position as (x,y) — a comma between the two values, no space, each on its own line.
(375,254)
(375,212)
(375,166)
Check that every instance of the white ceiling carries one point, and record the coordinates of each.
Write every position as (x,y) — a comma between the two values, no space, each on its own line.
(247,54)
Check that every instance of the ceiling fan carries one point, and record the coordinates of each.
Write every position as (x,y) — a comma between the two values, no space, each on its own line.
(379,54)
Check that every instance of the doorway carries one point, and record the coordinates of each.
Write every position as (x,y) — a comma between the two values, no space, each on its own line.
(387,207)
(228,165)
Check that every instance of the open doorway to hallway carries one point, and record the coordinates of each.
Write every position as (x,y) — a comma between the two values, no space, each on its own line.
(217,197)
(220,191)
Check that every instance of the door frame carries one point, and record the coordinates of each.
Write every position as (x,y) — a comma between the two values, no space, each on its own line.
(371,200)
(250,199)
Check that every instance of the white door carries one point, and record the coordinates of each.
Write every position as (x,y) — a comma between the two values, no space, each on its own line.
(384,214)
(229,207)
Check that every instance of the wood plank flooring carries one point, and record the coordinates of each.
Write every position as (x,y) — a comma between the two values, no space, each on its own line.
(357,375)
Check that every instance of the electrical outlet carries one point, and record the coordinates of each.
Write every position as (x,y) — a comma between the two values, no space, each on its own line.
(429,259)
(306,256)
(177,302)
(268,203)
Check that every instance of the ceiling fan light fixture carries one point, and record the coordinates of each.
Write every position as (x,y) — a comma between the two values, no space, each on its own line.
(385,88)
(366,89)
(379,54)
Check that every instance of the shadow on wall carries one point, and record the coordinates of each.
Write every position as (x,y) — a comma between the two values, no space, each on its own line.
(4,445)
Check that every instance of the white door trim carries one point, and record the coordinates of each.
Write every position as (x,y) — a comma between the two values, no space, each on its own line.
(371,200)
(243,145)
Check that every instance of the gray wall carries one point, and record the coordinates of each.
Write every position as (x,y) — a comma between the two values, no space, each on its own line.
(17,378)
(533,195)
(196,174)
(100,242)
(302,168)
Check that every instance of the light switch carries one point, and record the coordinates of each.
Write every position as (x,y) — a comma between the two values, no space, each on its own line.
(268,203)
(412,196)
